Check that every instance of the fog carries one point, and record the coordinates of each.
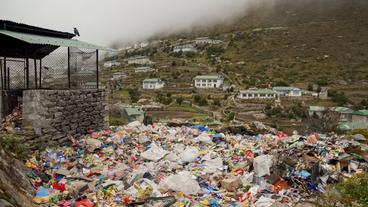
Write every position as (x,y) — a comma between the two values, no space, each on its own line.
(109,21)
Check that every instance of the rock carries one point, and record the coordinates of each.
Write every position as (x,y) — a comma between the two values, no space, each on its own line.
(231,184)
(15,188)
(359,137)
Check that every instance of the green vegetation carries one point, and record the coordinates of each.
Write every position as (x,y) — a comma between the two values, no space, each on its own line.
(200,100)
(352,192)
(179,100)
(164,98)
(338,97)
(13,143)
(134,95)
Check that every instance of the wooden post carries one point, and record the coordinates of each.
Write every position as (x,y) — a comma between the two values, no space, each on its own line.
(97,71)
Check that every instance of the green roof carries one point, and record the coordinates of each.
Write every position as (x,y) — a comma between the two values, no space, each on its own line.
(209,77)
(317,108)
(361,113)
(54,41)
(152,80)
(352,125)
(134,111)
(285,88)
(343,110)
(259,91)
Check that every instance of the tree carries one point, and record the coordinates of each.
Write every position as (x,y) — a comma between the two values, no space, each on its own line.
(179,100)
(216,102)
(281,83)
(310,87)
(134,95)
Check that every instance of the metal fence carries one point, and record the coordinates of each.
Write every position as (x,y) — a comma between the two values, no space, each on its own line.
(52,72)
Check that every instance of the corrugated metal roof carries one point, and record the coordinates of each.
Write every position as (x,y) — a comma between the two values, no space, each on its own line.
(207,77)
(285,88)
(352,125)
(152,80)
(361,113)
(343,110)
(317,108)
(134,111)
(259,91)
(54,41)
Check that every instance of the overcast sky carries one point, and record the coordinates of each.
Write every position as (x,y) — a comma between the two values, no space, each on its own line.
(106,21)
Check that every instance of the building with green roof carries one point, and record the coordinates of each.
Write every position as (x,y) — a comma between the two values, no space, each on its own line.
(360,116)
(134,114)
(257,94)
(208,81)
(153,83)
(349,126)
(288,91)
(344,112)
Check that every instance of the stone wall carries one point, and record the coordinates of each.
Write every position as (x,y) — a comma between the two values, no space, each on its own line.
(52,115)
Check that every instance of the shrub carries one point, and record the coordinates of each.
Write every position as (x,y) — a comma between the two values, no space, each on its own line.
(134,95)
(179,100)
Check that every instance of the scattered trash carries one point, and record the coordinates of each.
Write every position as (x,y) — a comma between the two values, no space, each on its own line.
(157,165)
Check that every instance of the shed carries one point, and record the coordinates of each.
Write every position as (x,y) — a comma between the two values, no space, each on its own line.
(134,114)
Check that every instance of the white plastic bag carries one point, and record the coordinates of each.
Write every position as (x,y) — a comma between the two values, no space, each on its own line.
(155,153)
(262,165)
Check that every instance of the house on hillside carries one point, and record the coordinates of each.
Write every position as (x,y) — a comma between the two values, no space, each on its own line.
(208,81)
(207,40)
(153,83)
(255,93)
(316,111)
(288,91)
(144,70)
(118,76)
(139,60)
(360,116)
(133,114)
(111,64)
(185,48)
(344,112)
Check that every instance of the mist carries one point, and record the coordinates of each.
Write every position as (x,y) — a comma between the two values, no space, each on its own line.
(120,21)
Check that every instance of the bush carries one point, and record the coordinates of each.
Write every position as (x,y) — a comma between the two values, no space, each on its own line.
(134,95)
(200,100)
(281,83)
(231,116)
(352,192)
(179,100)
(164,98)
(12,143)
(216,102)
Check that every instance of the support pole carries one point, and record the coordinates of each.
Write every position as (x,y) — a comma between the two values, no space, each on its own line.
(4,68)
(27,73)
(69,67)
(1,75)
(35,72)
(40,76)
(8,81)
(97,71)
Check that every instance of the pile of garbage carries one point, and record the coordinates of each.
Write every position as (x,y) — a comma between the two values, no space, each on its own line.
(12,122)
(157,165)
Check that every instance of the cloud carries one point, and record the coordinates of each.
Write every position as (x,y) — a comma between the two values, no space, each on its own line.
(108,21)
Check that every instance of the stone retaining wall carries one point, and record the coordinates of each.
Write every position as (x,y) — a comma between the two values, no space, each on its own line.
(52,115)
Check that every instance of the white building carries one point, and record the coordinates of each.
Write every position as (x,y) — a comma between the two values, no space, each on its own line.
(110,64)
(144,69)
(118,76)
(153,83)
(254,93)
(208,81)
(185,48)
(206,40)
(288,91)
(139,60)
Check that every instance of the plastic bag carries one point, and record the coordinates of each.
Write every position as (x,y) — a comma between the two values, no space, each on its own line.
(262,165)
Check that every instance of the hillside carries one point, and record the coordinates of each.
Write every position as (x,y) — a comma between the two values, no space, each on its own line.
(292,42)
